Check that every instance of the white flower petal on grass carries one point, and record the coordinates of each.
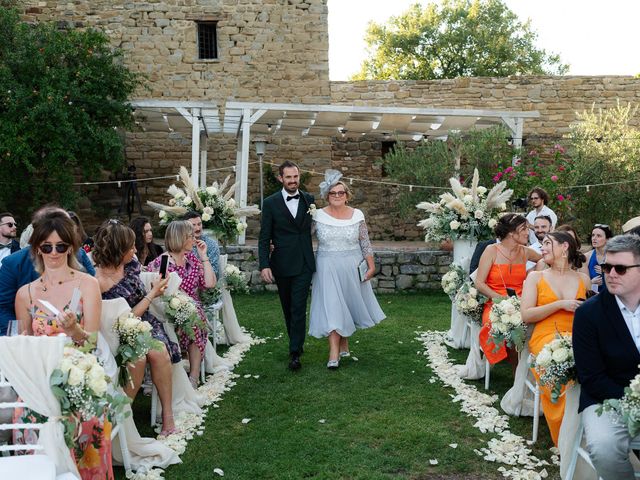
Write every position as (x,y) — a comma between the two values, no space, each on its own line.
(246,420)
(433,461)
(355,359)
(322,420)
(218,471)
(453,445)
(248,375)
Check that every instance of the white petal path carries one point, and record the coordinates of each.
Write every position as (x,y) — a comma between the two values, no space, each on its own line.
(190,424)
(507,448)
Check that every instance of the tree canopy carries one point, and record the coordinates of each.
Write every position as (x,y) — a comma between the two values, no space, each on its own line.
(462,38)
(63,94)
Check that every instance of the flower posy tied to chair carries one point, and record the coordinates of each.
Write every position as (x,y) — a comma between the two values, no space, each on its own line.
(217,208)
(467,213)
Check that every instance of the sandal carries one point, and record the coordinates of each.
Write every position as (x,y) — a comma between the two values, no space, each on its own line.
(164,433)
(194,382)
(345,354)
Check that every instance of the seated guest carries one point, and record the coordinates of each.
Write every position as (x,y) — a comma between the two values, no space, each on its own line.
(606,344)
(18,270)
(502,267)
(197,274)
(599,236)
(87,241)
(213,249)
(632,226)
(549,300)
(118,274)
(541,265)
(477,253)
(541,226)
(147,249)
(8,233)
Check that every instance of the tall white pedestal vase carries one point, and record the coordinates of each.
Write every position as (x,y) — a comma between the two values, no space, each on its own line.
(458,333)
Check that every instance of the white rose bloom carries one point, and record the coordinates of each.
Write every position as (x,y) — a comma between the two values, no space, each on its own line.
(502,206)
(468,198)
(212,190)
(231,203)
(66,364)
(502,327)
(473,291)
(560,355)
(508,308)
(635,385)
(162,214)
(175,302)
(482,190)
(492,223)
(515,319)
(241,227)
(172,202)
(454,225)
(208,210)
(76,376)
(206,217)
(544,358)
(187,200)
(472,303)
(555,344)
(478,214)
(98,385)
(144,327)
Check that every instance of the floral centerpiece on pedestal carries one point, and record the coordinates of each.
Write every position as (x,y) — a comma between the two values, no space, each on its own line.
(628,407)
(467,213)
(506,323)
(218,209)
(555,364)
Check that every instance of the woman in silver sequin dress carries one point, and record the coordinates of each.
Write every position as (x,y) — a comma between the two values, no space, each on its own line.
(340,302)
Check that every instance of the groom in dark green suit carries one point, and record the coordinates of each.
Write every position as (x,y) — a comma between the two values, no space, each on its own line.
(286,254)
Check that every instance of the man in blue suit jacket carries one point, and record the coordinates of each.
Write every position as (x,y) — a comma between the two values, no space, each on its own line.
(606,344)
(18,270)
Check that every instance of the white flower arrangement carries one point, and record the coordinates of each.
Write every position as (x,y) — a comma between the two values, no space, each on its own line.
(312,210)
(135,342)
(453,279)
(469,301)
(218,210)
(555,364)
(468,213)
(182,311)
(80,384)
(235,280)
(506,323)
(628,407)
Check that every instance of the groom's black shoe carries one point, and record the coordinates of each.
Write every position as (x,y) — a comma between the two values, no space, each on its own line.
(294,362)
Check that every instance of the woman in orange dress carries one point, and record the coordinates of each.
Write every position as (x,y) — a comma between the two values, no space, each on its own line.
(549,300)
(503,266)
(54,245)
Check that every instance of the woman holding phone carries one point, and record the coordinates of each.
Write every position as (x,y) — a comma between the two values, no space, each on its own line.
(196,273)
(549,301)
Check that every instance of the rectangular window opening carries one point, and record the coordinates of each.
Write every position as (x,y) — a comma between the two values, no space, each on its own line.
(207,40)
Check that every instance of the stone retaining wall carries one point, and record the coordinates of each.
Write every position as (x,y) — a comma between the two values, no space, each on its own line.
(396,271)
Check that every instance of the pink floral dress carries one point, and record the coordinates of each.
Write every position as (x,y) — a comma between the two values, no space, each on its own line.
(192,275)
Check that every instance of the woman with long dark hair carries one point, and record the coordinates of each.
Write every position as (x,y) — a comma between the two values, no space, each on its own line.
(145,246)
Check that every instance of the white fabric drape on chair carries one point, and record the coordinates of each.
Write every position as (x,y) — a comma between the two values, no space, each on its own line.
(28,362)
(519,400)
(185,398)
(145,452)
(474,368)
(232,328)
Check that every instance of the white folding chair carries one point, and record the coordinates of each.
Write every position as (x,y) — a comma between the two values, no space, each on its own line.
(118,431)
(535,389)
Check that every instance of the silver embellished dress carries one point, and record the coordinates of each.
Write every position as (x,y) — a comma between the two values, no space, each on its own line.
(339,301)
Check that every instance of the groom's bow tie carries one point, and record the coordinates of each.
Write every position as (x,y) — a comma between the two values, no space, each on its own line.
(291,197)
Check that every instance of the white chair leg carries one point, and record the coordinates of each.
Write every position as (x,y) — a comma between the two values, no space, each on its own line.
(154,405)
(487,374)
(202,377)
(571,469)
(124,447)
(536,412)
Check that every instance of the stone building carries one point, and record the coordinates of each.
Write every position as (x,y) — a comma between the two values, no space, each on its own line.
(277,51)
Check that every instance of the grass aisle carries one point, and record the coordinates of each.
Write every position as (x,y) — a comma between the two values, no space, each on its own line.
(378,417)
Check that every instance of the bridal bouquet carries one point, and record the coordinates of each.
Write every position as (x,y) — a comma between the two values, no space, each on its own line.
(182,311)
(467,213)
(453,280)
(506,323)
(135,342)
(217,208)
(80,384)
(470,302)
(628,407)
(555,364)
(236,280)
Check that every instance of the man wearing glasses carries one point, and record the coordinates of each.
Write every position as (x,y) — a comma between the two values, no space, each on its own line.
(606,345)
(539,199)
(8,232)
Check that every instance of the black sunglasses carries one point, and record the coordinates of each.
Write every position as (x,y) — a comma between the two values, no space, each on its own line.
(47,248)
(620,269)
(11,224)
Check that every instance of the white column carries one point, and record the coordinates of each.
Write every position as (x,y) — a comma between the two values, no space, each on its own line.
(203,158)
(195,146)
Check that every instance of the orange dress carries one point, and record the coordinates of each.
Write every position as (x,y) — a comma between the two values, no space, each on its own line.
(501,276)
(544,332)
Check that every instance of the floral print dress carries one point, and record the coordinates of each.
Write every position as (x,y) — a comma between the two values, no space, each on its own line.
(192,275)
(131,288)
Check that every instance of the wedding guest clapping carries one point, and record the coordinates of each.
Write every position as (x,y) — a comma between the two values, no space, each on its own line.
(340,300)
(549,300)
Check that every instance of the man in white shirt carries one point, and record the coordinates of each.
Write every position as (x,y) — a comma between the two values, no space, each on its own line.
(8,233)
(606,345)
(539,199)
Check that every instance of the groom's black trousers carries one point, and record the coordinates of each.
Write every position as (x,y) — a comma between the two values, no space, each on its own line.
(294,292)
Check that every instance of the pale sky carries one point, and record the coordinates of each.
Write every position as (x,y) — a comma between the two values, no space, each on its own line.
(596,37)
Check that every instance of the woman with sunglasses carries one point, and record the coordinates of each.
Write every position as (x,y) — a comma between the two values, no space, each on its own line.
(341,301)
(54,245)
(118,273)
(599,236)
(549,301)
(196,273)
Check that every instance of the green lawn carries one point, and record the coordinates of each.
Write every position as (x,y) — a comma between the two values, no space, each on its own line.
(381,418)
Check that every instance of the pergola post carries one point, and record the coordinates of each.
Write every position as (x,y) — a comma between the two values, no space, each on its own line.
(203,158)
(242,166)
(195,146)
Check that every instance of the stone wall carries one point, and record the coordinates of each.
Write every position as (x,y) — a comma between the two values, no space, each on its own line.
(396,271)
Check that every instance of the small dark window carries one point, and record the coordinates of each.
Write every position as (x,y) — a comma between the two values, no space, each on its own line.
(207,41)
(387,147)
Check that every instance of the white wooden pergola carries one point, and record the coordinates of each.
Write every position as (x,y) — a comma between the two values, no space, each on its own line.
(242,119)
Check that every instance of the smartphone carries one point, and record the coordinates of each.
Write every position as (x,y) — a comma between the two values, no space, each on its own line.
(164,263)
(511,292)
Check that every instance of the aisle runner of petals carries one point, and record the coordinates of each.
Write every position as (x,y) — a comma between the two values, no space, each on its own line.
(191,424)
(508,448)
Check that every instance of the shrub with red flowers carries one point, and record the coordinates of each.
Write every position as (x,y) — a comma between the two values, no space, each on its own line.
(547,168)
